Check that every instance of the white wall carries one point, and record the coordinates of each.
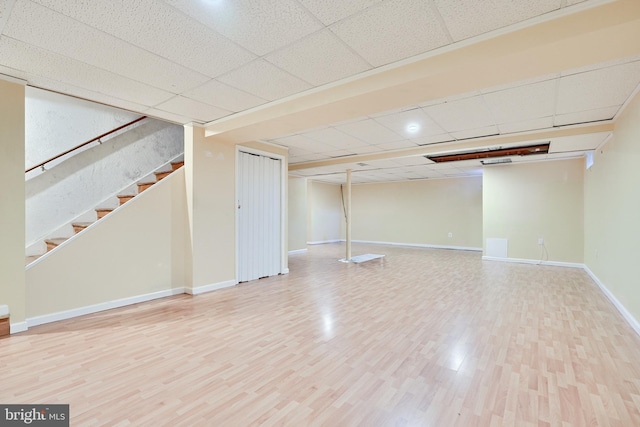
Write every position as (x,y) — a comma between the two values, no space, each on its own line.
(78,184)
(419,212)
(55,123)
(297,224)
(12,284)
(324,212)
(612,212)
(523,202)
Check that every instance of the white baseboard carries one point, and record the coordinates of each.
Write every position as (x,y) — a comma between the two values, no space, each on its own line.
(14,328)
(633,322)
(68,314)
(285,271)
(534,261)
(421,245)
(208,288)
(298,251)
(322,242)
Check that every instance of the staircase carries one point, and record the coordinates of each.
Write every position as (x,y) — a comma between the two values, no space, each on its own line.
(101,212)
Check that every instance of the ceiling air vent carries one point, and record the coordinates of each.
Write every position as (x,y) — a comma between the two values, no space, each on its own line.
(362,164)
(495,161)
(489,153)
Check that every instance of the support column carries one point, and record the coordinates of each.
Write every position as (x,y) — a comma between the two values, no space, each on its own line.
(211,209)
(348,256)
(12,206)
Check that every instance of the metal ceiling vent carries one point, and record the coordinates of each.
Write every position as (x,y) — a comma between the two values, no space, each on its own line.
(490,153)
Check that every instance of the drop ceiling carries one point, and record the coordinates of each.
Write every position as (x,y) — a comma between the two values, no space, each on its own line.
(210,61)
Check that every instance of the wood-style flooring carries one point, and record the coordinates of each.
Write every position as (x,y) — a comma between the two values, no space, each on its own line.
(422,338)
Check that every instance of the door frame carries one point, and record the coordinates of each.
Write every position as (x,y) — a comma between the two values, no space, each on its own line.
(283,176)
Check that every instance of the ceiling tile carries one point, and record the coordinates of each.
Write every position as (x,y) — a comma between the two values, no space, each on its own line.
(264,80)
(468,18)
(221,95)
(308,59)
(412,124)
(468,113)
(413,161)
(308,144)
(370,132)
(585,116)
(164,115)
(5,10)
(476,133)
(192,108)
(69,89)
(397,145)
(392,30)
(578,142)
(158,28)
(329,11)
(366,149)
(295,152)
(527,125)
(299,141)
(60,34)
(335,138)
(435,139)
(339,153)
(12,72)
(607,87)
(260,26)
(39,62)
(522,103)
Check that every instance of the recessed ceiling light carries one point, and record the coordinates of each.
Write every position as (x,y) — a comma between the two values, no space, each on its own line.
(413,128)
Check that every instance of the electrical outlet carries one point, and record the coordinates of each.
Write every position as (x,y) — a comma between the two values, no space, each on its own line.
(540,241)
(450,234)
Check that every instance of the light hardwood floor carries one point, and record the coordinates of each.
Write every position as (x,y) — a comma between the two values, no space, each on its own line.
(423,338)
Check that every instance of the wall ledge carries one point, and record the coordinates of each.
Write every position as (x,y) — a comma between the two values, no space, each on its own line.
(18,327)
(298,251)
(633,322)
(208,288)
(421,245)
(95,308)
(535,262)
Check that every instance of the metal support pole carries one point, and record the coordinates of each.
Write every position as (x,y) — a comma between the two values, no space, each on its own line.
(348,257)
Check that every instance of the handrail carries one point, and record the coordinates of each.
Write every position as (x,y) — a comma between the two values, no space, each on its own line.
(85,143)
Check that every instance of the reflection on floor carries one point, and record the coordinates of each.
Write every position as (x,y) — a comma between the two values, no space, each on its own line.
(428,338)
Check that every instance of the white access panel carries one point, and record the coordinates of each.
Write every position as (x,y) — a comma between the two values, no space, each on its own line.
(497,248)
(259,216)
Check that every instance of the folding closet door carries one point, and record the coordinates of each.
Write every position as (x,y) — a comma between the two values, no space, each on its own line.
(259,216)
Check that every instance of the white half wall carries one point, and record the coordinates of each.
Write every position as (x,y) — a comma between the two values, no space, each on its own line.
(135,251)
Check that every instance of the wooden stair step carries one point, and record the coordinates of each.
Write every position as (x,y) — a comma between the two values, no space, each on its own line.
(52,243)
(160,175)
(177,165)
(30,259)
(103,212)
(125,198)
(144,185)
(79,226)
